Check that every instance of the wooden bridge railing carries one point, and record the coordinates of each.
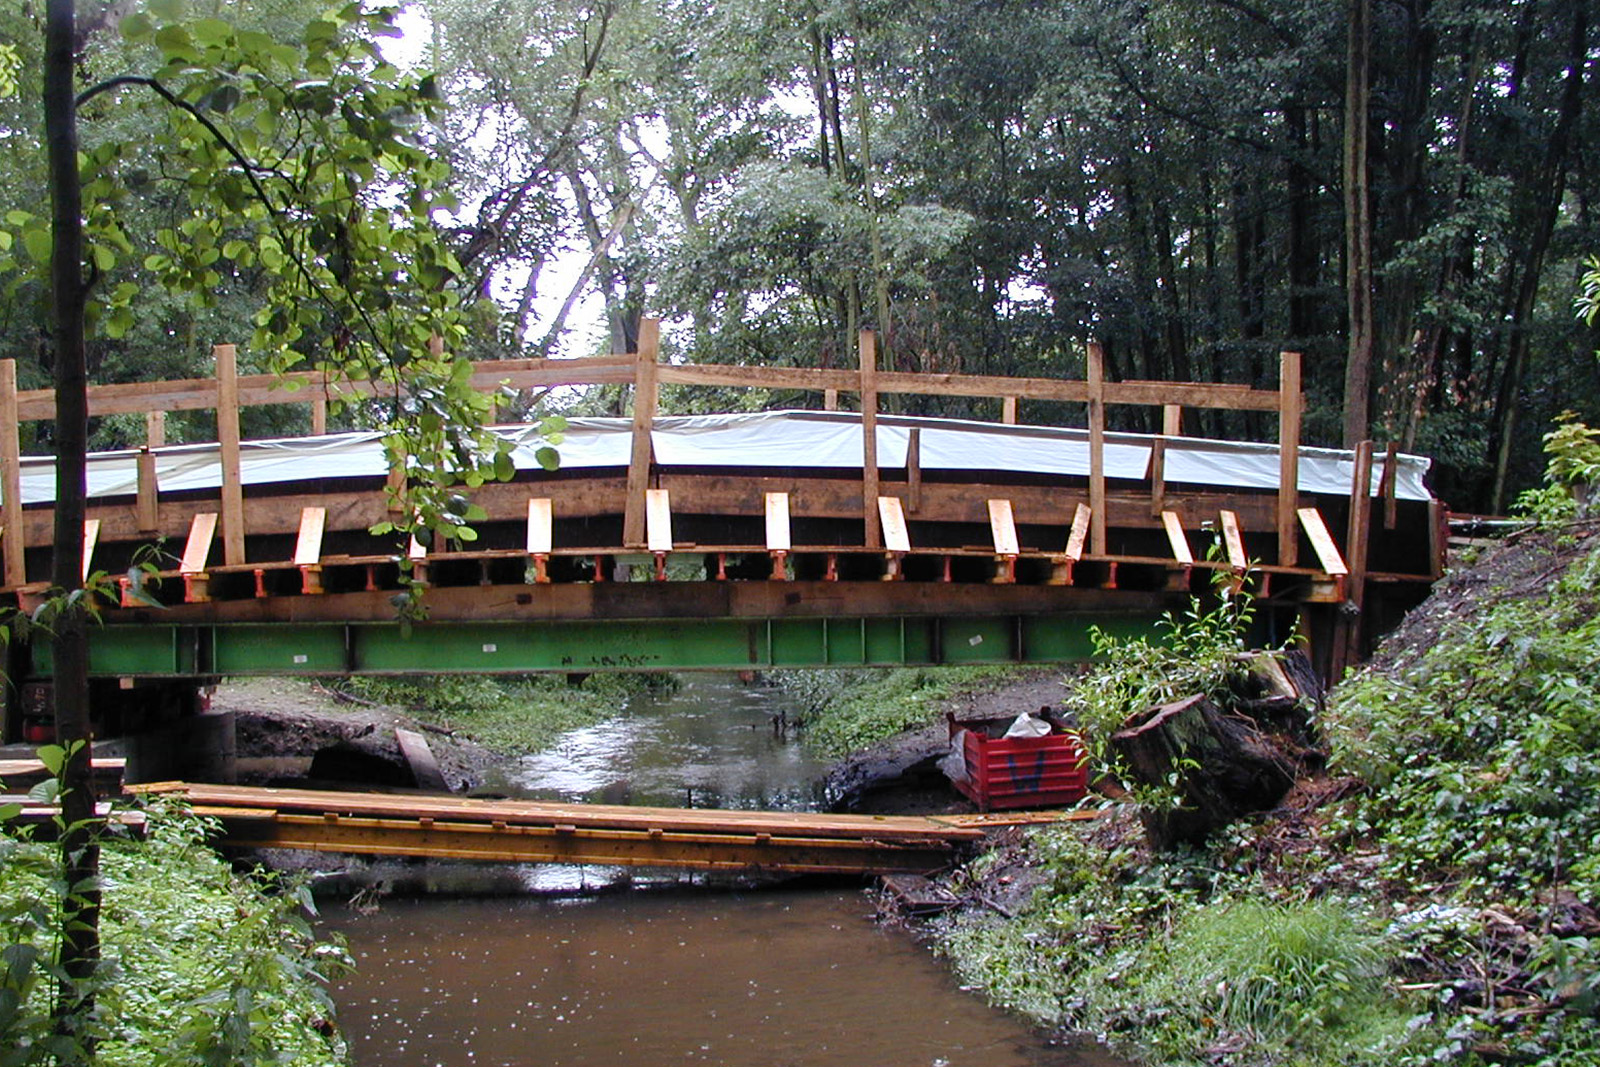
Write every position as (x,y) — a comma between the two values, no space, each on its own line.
(643,371)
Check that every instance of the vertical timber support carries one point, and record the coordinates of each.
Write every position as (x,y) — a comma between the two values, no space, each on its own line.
(1097,450)
(228,438)
(646,394)
(873,536)
(1347,643)
(1172,420)
(1290,412)
(319,406)
(11,466)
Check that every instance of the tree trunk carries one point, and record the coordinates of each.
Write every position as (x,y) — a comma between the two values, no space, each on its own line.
(80,920)
(1357,228)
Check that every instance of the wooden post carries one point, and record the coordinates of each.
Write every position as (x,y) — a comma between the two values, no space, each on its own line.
(155,429)
(1347,644)
(914,471)
(645,397)
(830,400)
(1008,410)
(147,504)
(228,436)
(1290,410)
(1097,450)
(873,535)
(11,461)
(1158,477)
(319,406)
(1172,420)
(1391,475)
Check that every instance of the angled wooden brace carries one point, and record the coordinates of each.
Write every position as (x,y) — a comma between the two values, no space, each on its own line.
(1003,531)
(1061,571)
(540,538)
(1178,541)
(202,530)
(308,548)
(779,540)
(896,537)
(658,528)
(1322,543)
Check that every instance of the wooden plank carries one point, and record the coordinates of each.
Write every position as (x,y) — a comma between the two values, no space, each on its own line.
(646,395)
(1078,533)
(198,548)
(319,408)
(1097,449)
(1176,538)
(228,438)
(91,537)
(1360,525)
(1322,542)
(830,400)
(868,355)
(419,757)
(1158,476)
(896,537)
(1003,528)
(914,470)
(1290,412)
(541,523)
(1391,472)
(15,536)
(155,429)
(308,546)
(147,501)
(1233,541)
(1008,410)
(658,520)
(1172,420)
(777,508)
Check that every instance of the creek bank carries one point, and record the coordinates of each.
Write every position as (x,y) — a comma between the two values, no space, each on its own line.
(1431,897)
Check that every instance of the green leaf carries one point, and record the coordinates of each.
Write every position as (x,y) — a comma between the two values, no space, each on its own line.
(548,458)
(105,260)
(37,243)
(135,27)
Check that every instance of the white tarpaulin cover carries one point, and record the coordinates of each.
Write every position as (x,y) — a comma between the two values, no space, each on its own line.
(794,439)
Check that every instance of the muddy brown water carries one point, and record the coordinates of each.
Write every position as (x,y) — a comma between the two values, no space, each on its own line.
(674,975)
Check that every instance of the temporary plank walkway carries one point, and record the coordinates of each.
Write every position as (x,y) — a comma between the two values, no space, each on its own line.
(459,828)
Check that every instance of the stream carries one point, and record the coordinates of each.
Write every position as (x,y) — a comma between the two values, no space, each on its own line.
(537,967)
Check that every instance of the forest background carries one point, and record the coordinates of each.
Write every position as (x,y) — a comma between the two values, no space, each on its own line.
(988,183)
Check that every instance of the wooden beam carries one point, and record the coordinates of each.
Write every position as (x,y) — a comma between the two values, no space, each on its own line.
(868,354)
(646,395)
(830,400)
(541,524)
(1008,410)
(147,502)
(308,545)
(1347,638)
(1079,532)
(1176,538)
(914,471)
(11,476)
(1233,541)
(1097,449)
(228,438)
(658,520)
(319,408)
(777,514)
(1290,412)
(896,535)
(1391,475)
(91,537)
(198,548)
(1172,420)
(1322,542)
(1158,476)
(1003,528)
(155,429)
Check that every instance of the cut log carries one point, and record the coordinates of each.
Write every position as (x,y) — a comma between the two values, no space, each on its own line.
(1225,767)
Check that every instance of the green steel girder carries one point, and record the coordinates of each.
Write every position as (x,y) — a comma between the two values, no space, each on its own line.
(167,650)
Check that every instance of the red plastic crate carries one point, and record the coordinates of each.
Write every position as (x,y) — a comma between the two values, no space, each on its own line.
(1023,772)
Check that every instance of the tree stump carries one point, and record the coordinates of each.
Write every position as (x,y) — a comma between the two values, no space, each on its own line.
(1222,764)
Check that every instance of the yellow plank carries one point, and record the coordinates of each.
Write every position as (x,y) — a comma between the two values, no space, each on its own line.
(1080,530)
(541,517)
(1233,540)
(1003,528)
(658,520)
(308,549)
(91,537)
(896,538)
(778,538)
(198,547)
(1322,542)
(1176,537)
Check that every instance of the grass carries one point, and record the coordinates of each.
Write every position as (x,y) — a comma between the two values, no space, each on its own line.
(844,711)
